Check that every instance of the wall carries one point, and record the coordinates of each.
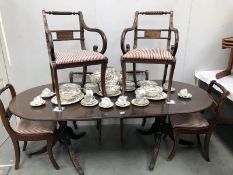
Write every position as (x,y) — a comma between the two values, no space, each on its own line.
(201,24)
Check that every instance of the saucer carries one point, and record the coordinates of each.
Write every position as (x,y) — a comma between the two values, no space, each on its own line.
(47,95)
(93,103)
(186,96)
(172,89)
(104,106)
(122,106)
(110,95)
(32,103)
(161,97)
(136,104)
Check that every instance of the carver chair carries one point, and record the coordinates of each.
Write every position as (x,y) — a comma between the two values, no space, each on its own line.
(196,123)
(73,58)
(27,130)
(164,55)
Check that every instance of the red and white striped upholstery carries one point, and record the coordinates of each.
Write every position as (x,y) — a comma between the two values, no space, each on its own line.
(194,120)
(78,56)
(145,53)
(35,127)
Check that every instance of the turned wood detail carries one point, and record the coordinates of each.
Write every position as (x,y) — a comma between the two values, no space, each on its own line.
(227,43)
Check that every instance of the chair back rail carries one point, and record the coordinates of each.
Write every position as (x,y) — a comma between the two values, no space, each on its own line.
(5,113)
(218,103)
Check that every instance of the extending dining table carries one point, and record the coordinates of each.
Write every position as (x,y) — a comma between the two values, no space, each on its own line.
(20,106)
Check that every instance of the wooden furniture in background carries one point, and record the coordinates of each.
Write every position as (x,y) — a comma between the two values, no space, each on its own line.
(165,56)
(196,123)
(27,130)
(74,58)
(227,43)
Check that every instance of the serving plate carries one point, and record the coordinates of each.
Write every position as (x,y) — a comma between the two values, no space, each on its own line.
(65,102)
(161,97)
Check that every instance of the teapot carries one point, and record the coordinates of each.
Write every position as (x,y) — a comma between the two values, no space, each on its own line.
(95,77)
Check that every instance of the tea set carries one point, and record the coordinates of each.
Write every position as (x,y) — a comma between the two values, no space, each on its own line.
(71,93)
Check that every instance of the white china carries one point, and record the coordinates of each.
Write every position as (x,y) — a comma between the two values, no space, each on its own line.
(106,103)
(160,96)
(110,95)
(37,101)
(130,86)
(185,96)
(93,86)
(140,93)
(46,93)
(165,86)
(95,77)
(122,100)
(91,103)
(68,102)
(69,87)
(146,83)
(122,105)
(152,91)
(137,103)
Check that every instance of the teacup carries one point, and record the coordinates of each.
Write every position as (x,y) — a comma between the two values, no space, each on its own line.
(130,85)
(122,100)
(38,100)
(140,93)
(183,92)
(46,92)
(88,98)
(105,101)
(93,86)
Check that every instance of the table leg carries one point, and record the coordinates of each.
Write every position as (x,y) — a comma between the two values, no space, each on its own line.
(66,134)
(157,137)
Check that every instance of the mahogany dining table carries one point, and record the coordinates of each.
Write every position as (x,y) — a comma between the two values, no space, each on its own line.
(20,106)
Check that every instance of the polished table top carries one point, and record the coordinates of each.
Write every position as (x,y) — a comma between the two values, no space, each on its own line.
(20,106)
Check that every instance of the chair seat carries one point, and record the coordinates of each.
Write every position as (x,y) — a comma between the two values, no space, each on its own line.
(35,127)
(78,56)
(194,120)
(145,53)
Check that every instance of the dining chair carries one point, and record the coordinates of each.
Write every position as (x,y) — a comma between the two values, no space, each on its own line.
(198,123)
(73,58)
(164,55)
(27,130)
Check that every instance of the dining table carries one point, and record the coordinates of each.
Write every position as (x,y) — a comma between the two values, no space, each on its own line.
(20,106)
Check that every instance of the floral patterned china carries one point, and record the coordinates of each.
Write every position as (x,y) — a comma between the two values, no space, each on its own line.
(122,101)
(184,94)
(68,101)
(46,93)
(106,103)
(146,83)
(37,101)
(165,86)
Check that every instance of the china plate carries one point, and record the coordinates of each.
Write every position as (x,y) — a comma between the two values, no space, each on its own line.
(37,105)
(95,102)
(112,95)
(47,95)
(136,104)
(122,106)
(80,97)
(187,96)
(103,106)
(162,97)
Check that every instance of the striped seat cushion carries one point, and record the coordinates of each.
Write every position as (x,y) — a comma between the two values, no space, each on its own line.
(194,120)
(35,127)
(145,53)
(78,56)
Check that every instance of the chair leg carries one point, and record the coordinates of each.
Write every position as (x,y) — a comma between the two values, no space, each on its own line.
(165,74)
(143,122)
(134,74)
(41,151)
(99,127)
(50,153)
(84,75)
(25,145)
(56,87)
(175,143)
(52,77)
(170,81)
(103,72)
(75,125)
(206,146)
(121,129)
(17,153)
(123,67)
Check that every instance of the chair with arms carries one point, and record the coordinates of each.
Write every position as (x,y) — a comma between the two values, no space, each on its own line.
(73,58)
(196,123)
(27,130)
(164,55)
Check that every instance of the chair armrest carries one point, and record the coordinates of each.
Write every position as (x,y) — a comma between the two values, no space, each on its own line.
(100,32)
(175,46)
(12,90)
(126,48)
(223,89)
